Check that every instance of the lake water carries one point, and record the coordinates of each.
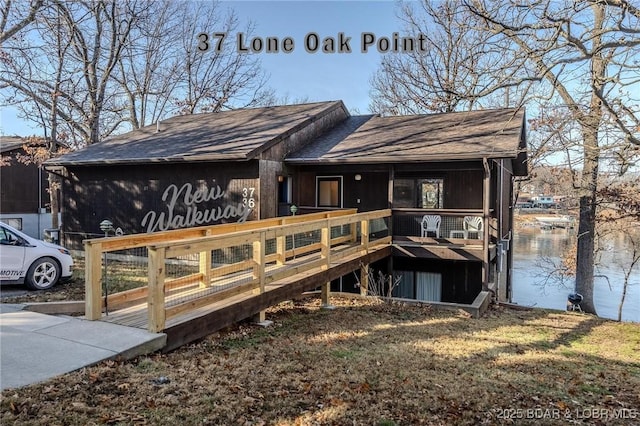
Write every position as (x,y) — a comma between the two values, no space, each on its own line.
(535,248)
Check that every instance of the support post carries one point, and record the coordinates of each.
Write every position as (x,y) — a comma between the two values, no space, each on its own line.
(205,268)
(93,280)
(486,193)
(364,279)
(325,244)
(155,298)
(259,271)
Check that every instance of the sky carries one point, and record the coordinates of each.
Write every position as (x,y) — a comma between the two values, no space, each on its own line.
(322,76)
(302,75)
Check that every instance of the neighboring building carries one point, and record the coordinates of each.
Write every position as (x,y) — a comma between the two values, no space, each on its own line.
(24,196)
(255,163)
(543,201)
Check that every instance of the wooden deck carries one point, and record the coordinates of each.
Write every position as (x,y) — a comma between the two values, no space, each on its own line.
(195,304)
(190,306)
(197,323)
(441,248)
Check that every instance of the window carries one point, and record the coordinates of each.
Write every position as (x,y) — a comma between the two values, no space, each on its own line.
(418,193)
(8,238)
(329,191)
(417,285)
(404,193)
(14,223)
(430,194)
(429,286)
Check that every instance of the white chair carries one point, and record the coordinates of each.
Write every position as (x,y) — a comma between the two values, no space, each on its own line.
(431,223)
(469,224)
(473,224)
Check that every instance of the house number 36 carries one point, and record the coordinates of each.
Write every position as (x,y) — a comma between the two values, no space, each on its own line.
(247,197)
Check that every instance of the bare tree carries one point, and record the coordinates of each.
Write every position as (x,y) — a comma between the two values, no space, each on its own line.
(16,15)
(625,233)
(91,69)
(78,43)
(218,78)
(164,73)
(584,54)
(455,71)
(148,69)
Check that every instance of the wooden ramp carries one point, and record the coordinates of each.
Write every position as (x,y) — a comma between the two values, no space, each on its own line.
(191,307)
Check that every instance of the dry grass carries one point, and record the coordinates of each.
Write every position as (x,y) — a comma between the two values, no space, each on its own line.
(362,363)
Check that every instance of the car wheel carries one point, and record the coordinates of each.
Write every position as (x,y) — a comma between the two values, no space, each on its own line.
(43,274)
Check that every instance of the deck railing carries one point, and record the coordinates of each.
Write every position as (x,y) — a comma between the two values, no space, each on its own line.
(222,261)
(407,223)
(116,268)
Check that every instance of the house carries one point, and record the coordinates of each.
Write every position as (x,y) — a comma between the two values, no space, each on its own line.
(24,196)
(448,179)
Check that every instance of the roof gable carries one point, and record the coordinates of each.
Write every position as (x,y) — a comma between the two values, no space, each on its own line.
(229,135)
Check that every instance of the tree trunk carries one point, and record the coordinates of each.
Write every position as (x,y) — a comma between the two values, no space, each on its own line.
(585,256)
(587,220)
(624,295)
(53,198)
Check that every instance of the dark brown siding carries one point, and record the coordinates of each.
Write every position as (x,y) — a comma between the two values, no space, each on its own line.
(368,193)
(304,187)
(300,138)
(505,195)
(126,194)
(269,171)
(19,182)
(462,183)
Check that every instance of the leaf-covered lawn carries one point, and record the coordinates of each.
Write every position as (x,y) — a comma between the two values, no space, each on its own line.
(362,363)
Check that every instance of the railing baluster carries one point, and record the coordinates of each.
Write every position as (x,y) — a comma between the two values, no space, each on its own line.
(325,243)
(205,268)
(155,300)
(364,233)
(281,250)
(259,270)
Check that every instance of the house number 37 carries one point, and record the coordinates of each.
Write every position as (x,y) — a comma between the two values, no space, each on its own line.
(247,197)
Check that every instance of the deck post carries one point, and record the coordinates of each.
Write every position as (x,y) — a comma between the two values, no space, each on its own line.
(364,279)
(364,234)
(325,244)
(281,250)
(93,280)
(354,232)
(364,269)
(485,225)
(155,298)
(205,268)
(259,271)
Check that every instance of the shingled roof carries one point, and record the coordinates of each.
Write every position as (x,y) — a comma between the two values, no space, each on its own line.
(495,133)
(10,143)
(230,135)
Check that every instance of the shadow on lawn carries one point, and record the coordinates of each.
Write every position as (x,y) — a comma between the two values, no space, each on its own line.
(470,371)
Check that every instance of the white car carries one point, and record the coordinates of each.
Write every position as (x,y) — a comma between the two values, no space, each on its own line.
(36,263)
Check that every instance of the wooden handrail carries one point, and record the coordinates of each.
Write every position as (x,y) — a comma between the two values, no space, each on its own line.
(441,212)
(125,242)
(257,238)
